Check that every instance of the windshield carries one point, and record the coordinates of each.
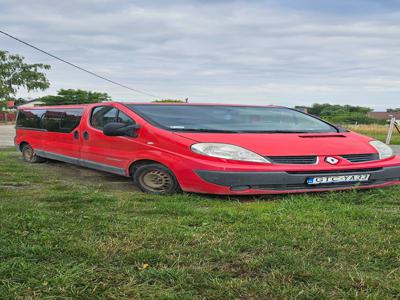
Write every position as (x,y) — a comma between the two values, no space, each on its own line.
(235,119)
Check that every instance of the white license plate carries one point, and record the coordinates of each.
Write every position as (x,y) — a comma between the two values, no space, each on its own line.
(338,179)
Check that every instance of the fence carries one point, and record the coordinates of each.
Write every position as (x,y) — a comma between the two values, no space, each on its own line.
(7,117)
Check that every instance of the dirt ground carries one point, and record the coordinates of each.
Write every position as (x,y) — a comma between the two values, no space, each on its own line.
(68,172)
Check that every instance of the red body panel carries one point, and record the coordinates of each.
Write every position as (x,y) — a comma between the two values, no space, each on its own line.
(172,149)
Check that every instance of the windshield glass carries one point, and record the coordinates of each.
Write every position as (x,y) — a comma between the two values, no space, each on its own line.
(213,118)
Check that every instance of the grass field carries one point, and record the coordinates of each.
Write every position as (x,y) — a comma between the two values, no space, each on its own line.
(62,237)
(377,131)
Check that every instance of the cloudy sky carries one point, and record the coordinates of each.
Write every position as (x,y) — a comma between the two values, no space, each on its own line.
(286,52)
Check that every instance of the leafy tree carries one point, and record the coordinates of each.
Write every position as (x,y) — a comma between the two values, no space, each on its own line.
(327,109)
(393,110)
(15,73)
(71,96)
(342,113)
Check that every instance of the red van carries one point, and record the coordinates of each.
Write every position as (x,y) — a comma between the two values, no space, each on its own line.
(214,149)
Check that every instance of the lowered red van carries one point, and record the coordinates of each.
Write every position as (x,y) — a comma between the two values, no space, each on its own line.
(214,149)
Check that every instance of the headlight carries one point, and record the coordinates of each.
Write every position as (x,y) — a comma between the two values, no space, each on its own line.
(384,150)
(227,151)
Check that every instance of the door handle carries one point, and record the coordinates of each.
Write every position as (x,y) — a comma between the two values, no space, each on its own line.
(86,135)
(76,134)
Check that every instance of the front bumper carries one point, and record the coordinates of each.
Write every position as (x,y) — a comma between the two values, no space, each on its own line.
(289,182)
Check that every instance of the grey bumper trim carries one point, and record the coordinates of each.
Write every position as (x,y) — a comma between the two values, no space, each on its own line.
(287,180)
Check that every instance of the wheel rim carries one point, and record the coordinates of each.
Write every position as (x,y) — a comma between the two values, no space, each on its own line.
(156,180)
(28,153)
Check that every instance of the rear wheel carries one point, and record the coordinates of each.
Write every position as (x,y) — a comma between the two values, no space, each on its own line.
(155,179)
(28,154)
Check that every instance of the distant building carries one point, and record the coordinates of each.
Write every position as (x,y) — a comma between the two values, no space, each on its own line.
(382,115)
(10,104)
(31,103)
(9,107)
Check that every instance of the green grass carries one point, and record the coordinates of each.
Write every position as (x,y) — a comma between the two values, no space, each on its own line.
(65,238)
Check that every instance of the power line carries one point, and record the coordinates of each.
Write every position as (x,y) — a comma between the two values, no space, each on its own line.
(78,67)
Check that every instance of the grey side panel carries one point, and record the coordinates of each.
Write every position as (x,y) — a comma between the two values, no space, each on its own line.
(81,162)
(103,167)
(64,158)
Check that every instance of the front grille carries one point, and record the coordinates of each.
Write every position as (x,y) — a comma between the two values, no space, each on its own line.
(323,172)
(357,158)
(304,186)
(295,160)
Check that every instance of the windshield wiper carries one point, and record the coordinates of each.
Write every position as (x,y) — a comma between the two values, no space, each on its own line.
(204,130)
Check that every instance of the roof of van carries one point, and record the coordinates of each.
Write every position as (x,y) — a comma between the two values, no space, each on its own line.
(54,106)
(192,104)
(146,103)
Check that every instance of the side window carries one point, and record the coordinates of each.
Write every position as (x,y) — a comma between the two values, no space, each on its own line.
(102,115)
(52,119)
(62,120)
(123,118)
(70,120)
(30,118)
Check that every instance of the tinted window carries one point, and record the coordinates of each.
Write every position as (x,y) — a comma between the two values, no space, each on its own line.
(226,118)
(102,115)
(30,118)
(55,120)
(123,118)
(62,120)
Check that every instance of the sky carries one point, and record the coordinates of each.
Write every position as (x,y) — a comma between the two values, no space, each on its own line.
(283,52)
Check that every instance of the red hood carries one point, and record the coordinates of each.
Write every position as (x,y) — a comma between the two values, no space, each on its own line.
(291,144)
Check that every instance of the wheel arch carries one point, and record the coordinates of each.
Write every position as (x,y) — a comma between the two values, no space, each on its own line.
(141,162)
(22,144)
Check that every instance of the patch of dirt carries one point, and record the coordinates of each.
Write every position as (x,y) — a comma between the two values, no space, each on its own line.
(72,173)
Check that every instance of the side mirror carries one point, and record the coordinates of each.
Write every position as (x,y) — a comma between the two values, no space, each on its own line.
(121,129)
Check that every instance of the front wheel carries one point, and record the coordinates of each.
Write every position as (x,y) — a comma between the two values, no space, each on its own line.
(155,179)
(28,154)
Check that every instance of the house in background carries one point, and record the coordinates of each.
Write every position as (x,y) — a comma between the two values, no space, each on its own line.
(382,115)
(8,111)
(31,103)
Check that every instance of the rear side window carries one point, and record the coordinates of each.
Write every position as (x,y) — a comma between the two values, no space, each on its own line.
(30,118)
(102,115)
(62,120)
(53,120)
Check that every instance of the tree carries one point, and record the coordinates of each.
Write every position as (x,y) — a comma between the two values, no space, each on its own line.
(335,110)
(342,113)
(391,110)
(15,74)
(71,96)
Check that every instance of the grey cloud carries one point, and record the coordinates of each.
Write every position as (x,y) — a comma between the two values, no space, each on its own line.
(230,51)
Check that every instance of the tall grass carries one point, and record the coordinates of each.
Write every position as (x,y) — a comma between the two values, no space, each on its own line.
(376,131)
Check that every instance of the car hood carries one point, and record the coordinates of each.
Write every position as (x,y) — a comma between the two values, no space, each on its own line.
(290,144)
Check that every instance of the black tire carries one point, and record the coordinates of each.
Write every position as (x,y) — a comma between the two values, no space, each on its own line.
(29,155)
(155,179)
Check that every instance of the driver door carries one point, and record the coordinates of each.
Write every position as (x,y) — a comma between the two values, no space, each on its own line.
(107,153)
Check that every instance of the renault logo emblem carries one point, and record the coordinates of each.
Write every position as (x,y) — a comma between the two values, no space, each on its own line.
(331,160)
